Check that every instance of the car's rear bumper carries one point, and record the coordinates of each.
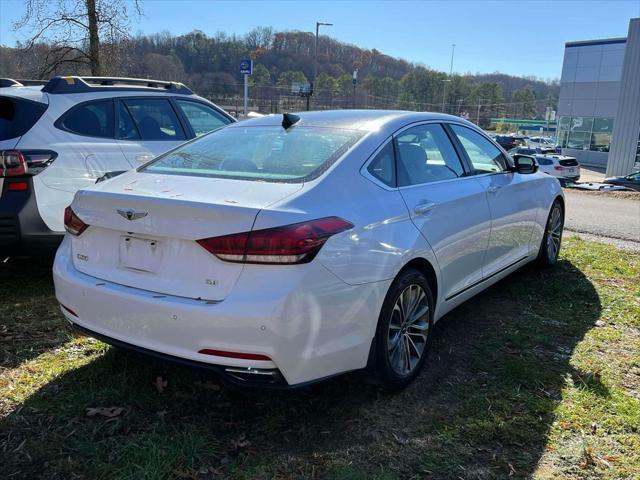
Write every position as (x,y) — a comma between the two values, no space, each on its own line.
(22,230)
(307,321)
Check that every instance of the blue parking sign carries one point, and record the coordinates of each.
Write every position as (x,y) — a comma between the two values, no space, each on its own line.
(246,67)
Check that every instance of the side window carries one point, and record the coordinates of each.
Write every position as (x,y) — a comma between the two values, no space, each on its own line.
(154,119)
(484,156)
(425,155)
(383,166)
(202,118)
(127,129)
(93,119)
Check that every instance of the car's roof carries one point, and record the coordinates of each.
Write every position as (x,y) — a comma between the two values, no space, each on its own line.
(367,120)
(29,93)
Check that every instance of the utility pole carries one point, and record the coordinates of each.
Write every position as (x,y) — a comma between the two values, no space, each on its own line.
(315,58)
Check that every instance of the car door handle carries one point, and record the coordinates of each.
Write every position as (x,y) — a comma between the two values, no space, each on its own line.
(424,208)
(493,189)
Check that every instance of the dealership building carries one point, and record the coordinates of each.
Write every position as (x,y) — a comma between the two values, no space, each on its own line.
(599,102)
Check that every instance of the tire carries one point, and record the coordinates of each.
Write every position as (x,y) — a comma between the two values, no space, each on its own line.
(396,334)
(552,238)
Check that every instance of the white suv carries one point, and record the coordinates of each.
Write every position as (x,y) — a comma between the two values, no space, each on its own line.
(61,135)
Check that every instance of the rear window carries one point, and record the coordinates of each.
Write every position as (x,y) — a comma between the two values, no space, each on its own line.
(17,116)
(268,153)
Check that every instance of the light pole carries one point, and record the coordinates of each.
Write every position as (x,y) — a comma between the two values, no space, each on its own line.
(444,88)
(453,49)
(480,100)
(315,58)
(444,91)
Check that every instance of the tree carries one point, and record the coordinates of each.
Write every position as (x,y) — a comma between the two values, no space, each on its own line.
(525,102)
(286,79)
(77,31)
(260,75)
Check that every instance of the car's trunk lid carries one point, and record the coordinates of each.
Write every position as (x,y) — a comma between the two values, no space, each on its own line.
(144,227)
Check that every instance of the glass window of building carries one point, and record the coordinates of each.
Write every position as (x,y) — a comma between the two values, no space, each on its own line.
(564,123)
(601,134)
(580,133)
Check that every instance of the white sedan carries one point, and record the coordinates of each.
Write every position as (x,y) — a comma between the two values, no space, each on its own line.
(290,248)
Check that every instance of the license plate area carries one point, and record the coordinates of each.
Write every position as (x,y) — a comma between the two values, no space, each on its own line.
(140,254)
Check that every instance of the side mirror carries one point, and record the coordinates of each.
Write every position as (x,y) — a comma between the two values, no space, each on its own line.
(525,164)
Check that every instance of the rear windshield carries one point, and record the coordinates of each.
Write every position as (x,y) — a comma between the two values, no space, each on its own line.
(17,116)
(268,153)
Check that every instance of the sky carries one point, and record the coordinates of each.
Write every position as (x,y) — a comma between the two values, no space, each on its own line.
(518,37)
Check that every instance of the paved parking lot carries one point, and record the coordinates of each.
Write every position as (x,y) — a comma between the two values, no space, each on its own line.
(604,217)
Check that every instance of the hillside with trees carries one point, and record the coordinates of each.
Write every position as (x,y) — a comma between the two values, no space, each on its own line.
(209,65)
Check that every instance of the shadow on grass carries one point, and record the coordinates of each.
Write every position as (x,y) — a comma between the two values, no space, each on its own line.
(29,317)
(481,409)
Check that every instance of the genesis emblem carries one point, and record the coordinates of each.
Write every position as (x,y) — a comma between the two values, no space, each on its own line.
(131,215)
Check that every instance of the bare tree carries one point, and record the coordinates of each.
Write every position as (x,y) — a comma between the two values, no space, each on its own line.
(80,32)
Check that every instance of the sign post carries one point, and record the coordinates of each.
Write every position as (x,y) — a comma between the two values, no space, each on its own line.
(246,69)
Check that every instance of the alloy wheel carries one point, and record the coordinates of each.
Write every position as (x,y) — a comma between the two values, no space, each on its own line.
(554,233)
(408,329)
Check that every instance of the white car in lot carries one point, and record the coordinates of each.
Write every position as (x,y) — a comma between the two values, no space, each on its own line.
(61,135)
(566,169)
(290,248)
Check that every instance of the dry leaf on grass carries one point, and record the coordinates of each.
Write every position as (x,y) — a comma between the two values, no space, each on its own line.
(208,385)
(108,412)
(160,384)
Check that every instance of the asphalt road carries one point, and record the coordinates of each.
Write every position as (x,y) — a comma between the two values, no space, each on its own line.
(614,220)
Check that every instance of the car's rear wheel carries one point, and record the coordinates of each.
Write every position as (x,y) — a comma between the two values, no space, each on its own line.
(404,330)
(552,239)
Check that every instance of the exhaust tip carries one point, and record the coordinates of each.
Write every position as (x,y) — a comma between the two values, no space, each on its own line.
(271,376)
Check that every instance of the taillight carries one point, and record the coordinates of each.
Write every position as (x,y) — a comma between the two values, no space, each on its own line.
(557,168)
(291,244)
(16,163)
(72,222)
(12,163)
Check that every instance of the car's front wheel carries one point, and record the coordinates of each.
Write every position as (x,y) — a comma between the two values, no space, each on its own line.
(550,247)
(404,330)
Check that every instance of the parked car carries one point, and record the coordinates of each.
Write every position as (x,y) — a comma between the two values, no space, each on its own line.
(290,248)
(546,145)
(511,141)
(566,169)
(60,135)
(508,142)
(631,181)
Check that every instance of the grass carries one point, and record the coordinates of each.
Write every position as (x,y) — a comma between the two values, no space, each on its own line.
(538,377)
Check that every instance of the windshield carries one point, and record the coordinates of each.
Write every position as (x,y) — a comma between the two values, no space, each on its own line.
(268,153)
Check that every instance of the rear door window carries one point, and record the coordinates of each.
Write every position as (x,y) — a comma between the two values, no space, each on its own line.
(127,129)
(202,118)
(94,119)
(154,119)
(17,116)
(426,155)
